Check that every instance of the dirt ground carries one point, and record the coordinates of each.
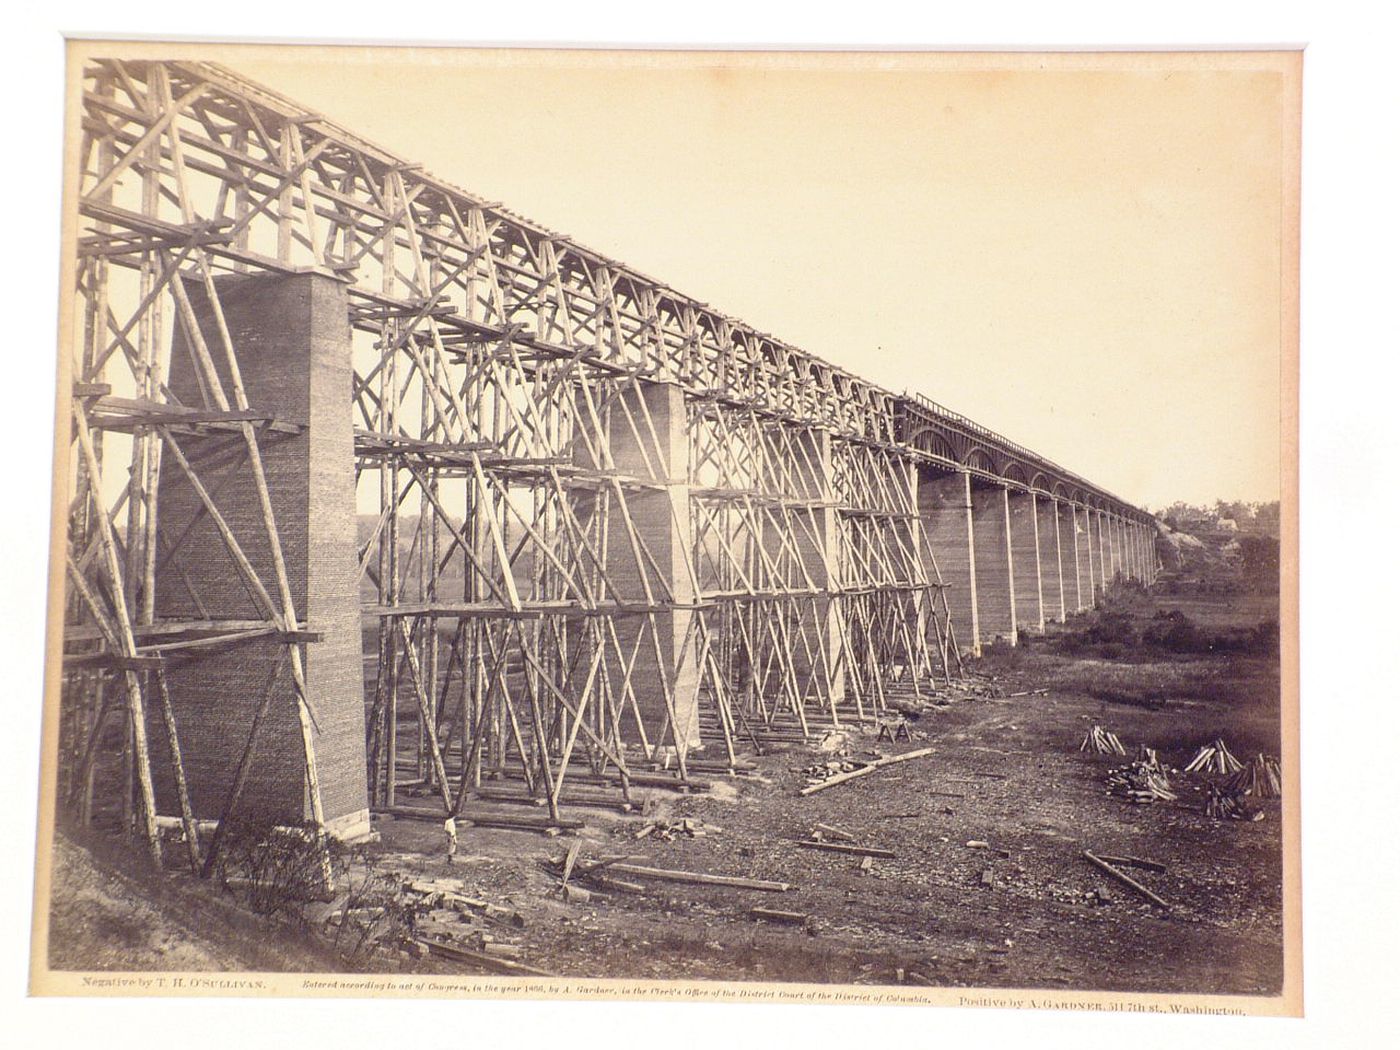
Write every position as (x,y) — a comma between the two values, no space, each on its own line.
(988,886)
(109,913)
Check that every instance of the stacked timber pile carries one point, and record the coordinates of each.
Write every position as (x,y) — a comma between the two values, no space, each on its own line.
(914,707)
(602,875)
(1261,778)
(1224,803)
(1214,758)
(434,917)
(832,778)
(667,830)
(1148,756)
(1100,741)
(1140,782)
(820,771)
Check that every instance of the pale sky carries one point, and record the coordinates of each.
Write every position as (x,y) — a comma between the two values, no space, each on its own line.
(1086,261)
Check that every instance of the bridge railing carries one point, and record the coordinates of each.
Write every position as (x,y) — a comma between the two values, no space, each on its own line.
(1006,445)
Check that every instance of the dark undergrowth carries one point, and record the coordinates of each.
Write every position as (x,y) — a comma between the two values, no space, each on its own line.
(1131,653)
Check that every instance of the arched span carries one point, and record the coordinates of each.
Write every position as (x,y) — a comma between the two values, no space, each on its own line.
(979,459)
(935,444)
(1014,472)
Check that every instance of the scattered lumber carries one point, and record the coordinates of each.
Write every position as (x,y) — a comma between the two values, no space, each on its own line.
(826,831)
(894,729)
(831,767)
(636,778)
(459,954)
(1140,782)
(570,798)
(1102,742)
(701,878)
(1149,756)
(570,859)
(787,918)
(434,892)
(1135,862)
(841,847)
(866,770)
(1214,758)
(1125,879)
(617,885)
(1224,803)
(1262,778)
(485,820)
(666,830)
(577,894)
(592,866)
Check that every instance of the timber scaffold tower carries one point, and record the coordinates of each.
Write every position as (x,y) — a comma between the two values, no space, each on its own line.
(375,485)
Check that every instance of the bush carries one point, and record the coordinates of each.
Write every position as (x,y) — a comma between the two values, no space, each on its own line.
(374,917)
(1176,633)
(275,870)
(1111,628)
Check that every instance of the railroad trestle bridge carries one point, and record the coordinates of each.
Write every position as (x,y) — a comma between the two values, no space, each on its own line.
(374,482)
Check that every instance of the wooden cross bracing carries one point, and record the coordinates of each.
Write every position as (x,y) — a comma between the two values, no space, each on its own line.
(560,567)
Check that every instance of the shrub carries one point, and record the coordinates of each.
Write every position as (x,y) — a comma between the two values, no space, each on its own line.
(1112,628)
(275,870)
(1176,633)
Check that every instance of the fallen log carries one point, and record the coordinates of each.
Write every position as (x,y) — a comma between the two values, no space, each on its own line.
(701,878)
(838,847)
(591,866)
(1135,862)
(569,860)
(617,885)
(483,820)
(789,918)
(1126,879)
(878,764)
(452,951)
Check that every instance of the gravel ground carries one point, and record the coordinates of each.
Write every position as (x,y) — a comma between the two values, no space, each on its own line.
(1027,910)
(1022,908)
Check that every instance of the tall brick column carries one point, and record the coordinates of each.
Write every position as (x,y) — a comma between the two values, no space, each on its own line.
(945,511)
(661,516)
(1069,555)
(1052,580)
(1101,549)
(816,541)
(1084,542)
(292,339)
(991,538)
(1023,521)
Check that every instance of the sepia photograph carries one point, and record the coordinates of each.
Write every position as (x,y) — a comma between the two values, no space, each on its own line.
(856,563)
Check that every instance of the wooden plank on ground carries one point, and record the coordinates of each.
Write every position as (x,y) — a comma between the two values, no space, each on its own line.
(841,847)
(701,878)
(878,764)
(1127,880)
